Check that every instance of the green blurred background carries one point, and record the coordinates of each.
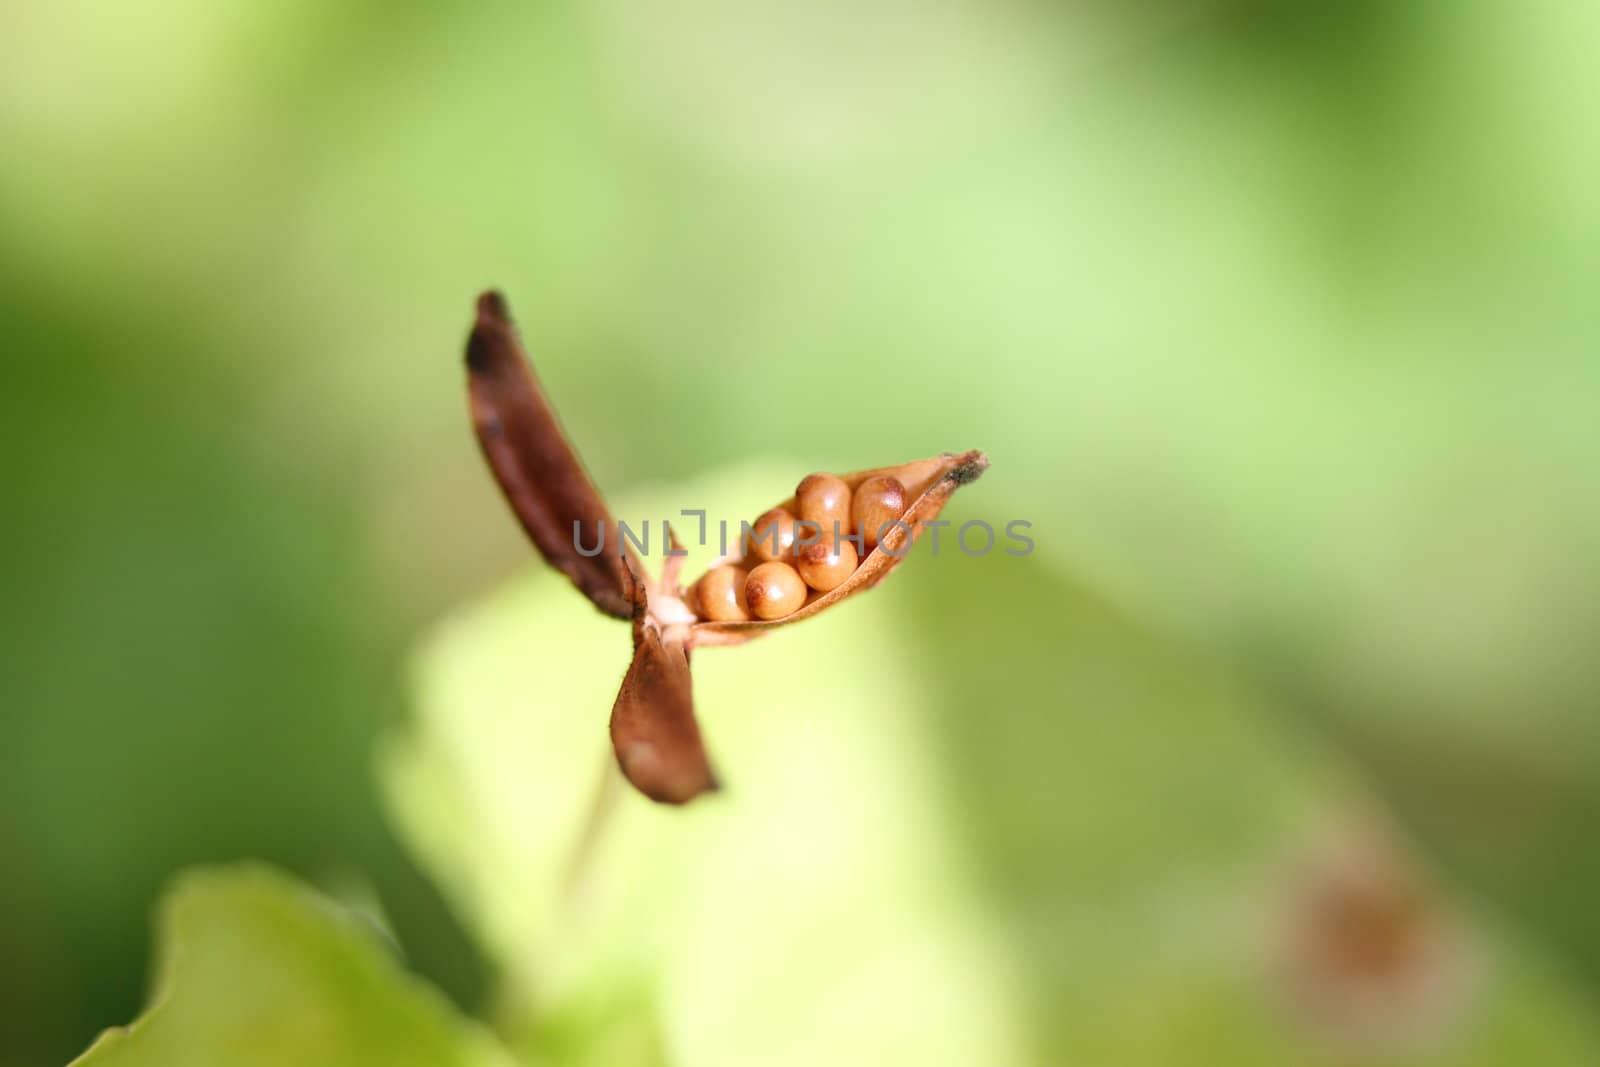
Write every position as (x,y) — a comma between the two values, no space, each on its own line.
(1277,320)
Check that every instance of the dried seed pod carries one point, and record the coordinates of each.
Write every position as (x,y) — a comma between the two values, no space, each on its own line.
(774,590)
(826,565)
(720,594)
(653,728)
(823,499)
(877,502)
(771,537)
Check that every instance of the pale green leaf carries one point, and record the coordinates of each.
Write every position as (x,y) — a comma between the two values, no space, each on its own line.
(257,969)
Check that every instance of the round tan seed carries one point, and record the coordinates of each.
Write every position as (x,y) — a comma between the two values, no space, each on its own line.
(774,590)
(762,545)
(721,594)
(877,502)
(825,565)
(824,499)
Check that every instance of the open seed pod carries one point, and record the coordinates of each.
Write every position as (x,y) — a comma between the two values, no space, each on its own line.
(780,580)
(928,484)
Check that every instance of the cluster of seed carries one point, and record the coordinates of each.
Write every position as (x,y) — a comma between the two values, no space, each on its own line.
(776,575)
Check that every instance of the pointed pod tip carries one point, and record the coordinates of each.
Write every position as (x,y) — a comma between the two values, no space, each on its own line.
(492,305)
(489,332)
(971,467)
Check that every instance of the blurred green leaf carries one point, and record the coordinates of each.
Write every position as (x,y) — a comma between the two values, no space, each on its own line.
(257,969)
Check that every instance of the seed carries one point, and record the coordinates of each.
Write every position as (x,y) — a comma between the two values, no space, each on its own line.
(878,501)
(826,564)
(774,590)
(763,545)
(721,595)
(823,499)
